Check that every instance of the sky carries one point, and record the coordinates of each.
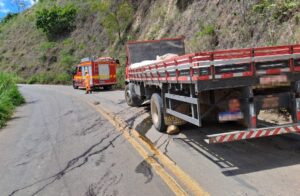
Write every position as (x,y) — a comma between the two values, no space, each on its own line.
(10,6)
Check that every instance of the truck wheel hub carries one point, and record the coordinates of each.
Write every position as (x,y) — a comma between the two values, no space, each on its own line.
(154,113)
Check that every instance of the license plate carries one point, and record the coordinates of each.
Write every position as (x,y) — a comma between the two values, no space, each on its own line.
(273,79)
(230,116)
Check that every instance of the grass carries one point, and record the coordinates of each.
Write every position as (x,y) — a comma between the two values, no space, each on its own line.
(50,78)
(10,97)
(206,30)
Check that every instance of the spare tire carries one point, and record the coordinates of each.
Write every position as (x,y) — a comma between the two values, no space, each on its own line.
(131,97)
(157,112)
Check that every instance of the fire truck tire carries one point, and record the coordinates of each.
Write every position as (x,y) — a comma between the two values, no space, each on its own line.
(108,87)
(131,98)
(157,113)
(74,85)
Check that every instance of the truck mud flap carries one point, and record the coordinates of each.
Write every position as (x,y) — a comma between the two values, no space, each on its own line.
(252,133)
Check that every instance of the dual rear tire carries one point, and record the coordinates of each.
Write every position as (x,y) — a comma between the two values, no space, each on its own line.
(156,105)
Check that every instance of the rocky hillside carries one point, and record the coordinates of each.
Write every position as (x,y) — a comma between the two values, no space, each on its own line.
(206,24)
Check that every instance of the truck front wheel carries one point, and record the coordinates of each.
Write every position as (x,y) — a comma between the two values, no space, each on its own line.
(131,98)
(74,85)
(157,113)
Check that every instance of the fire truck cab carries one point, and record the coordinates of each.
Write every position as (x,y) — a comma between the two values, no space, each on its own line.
(101,70)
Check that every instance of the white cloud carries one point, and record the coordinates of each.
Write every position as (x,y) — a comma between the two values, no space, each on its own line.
(31,2)
(28,4)
(4,10)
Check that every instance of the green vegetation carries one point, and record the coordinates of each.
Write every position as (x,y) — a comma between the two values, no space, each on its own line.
(47,45)
(50,78)
(279,10)
(120,77)
(73,29)
(9,17)
(116,17)
(10,97)
(56,20)
(206,30)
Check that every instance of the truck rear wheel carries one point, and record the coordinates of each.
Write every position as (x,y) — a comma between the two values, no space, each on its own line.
(157,113)
(131,98)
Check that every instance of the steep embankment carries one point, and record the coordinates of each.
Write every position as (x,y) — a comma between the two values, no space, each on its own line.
(206,24)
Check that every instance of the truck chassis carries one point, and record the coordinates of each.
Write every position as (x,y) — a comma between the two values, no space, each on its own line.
(260,78)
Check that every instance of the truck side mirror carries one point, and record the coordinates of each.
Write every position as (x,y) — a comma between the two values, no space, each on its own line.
(73,72)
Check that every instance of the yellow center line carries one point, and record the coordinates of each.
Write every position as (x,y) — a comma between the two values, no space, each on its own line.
(169,180)
(180,175)
(190,183)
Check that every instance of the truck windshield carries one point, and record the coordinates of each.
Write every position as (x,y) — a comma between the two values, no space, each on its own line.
(141,51)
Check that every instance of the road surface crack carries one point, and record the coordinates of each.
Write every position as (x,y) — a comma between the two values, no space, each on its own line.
(71,165)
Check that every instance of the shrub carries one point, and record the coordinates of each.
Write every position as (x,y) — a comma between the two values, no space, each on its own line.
(63,78)
(120,77)
(278,10)
(297,19)
(67,60)
(261,6)
(47,45)
(10,97)
(283,10)
(116,17)
(206,30)
(9,17)
(56,20)
(50,78)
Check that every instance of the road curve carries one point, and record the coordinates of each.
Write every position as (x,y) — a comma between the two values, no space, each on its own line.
(58,144)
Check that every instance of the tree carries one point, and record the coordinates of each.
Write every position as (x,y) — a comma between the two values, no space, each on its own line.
(116,17)
(56,20)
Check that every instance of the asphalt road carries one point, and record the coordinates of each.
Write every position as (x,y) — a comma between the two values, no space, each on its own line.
(59,144)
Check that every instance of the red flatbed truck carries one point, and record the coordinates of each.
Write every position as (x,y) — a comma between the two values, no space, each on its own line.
(102,71)
(224,85)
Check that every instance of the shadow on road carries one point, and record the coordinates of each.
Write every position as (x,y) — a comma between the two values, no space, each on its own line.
(246,156)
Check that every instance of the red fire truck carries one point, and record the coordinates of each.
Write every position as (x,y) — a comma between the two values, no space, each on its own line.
(219,86)
(101,70)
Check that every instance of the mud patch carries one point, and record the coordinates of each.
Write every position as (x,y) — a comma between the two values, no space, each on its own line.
(145,169)
(106,185)
(100,160)
(92,128)
(144,126)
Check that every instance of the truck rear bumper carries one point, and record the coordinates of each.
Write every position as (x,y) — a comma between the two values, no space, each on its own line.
(252,133)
